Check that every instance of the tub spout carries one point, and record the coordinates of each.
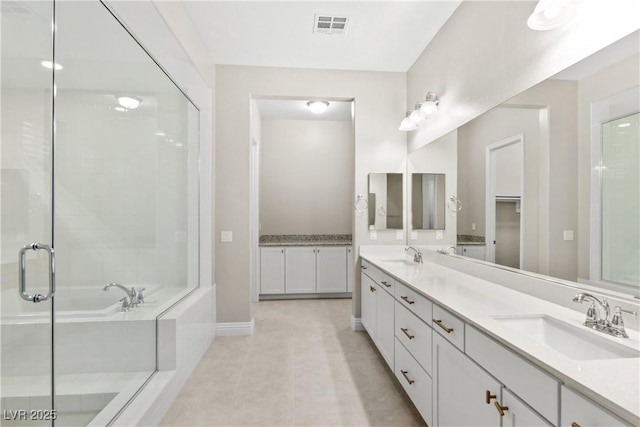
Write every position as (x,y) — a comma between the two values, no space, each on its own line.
(129,300)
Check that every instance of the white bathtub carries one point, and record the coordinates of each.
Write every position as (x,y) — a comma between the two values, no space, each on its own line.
(72,303)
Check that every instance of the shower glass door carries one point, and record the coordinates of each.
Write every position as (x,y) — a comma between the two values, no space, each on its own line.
(100,162)
(26,204)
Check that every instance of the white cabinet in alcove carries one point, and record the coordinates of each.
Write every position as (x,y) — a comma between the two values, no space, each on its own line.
(271,270)
(300,270)
(331,269)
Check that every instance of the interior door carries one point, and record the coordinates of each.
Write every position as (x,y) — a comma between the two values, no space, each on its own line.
(26,203)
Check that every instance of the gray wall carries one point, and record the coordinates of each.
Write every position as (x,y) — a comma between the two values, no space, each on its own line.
(306,175)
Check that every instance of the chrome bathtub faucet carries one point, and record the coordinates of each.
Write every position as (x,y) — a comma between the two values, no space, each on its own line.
(598,316)
(133,298)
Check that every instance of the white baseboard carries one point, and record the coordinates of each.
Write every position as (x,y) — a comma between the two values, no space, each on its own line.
(233,329)
(356,324)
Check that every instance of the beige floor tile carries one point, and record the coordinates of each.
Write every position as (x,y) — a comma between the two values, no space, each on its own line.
(303,366)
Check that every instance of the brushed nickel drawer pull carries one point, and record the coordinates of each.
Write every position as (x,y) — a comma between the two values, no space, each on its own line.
(439,323)
(407,300)
(501,409)
(406,377)
(406,332)
(372,289)
(488,396)
(386,284)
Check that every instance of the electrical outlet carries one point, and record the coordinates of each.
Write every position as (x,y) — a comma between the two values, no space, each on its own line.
(226,236)
(414,235)
(399,235)
(473,226)
(373,235)
(439,235)
(568,234)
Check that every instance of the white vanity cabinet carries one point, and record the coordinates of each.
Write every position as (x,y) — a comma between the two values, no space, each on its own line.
(460,389)
(331,269)
(305,269)
(300,270)
(377,310)
(472,251)
(272,270)
(578,411)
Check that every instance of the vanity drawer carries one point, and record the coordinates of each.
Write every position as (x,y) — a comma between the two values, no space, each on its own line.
(415,335)
(370,270)
(415,381)
(449,326)
(415,302)
(535,387)
(385,281)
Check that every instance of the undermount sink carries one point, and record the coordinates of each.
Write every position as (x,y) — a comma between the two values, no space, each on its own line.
(399,261)
(572,341)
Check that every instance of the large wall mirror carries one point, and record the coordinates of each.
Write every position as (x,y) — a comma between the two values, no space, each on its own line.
(427,201)
(385,201)
(546,145)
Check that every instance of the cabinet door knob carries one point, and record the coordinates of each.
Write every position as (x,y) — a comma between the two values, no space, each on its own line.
(501,409)
(406,377)
(407,299)
(406,332)
(372,289)
(488,396)
(439,323)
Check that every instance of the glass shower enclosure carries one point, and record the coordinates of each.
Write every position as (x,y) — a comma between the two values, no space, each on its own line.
(99,211)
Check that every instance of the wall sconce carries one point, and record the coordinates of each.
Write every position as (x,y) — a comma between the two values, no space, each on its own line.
(318,107)
(407,124)
(551,14)
(430,105)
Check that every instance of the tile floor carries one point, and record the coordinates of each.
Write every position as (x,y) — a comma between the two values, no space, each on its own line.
(304,366)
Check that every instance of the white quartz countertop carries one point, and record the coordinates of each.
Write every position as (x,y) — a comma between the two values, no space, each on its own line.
(613,383)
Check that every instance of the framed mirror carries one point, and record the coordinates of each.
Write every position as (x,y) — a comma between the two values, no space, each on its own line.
(385,201)
(428,201)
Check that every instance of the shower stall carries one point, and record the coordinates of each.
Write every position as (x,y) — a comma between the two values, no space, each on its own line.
(100,185)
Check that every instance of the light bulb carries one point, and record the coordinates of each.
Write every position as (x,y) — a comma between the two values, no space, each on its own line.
(129,102)
(318,107)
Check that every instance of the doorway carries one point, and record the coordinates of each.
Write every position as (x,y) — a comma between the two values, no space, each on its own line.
(504,201)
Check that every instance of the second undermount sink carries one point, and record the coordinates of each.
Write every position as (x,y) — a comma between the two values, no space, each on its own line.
(572,341)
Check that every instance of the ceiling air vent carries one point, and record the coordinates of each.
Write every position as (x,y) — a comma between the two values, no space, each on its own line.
(327,24)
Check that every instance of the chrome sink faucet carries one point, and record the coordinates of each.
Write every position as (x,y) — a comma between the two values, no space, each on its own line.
(417,257)
(598,316)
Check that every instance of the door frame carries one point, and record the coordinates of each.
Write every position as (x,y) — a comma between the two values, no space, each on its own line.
(490,194)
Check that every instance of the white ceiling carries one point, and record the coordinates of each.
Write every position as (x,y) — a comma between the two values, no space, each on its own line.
(381,35)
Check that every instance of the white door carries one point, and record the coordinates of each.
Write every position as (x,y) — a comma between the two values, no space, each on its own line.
(300,270)
(272,270)
(368,305)
(350,270)
(385,330)
(517,414)
(331,264)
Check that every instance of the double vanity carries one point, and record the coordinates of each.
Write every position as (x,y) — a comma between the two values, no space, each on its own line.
(470,352)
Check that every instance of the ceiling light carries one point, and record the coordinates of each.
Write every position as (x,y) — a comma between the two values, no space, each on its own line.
(51,65)
(407,124)
(430,105)
(129,102)
(318,107)
(551,14)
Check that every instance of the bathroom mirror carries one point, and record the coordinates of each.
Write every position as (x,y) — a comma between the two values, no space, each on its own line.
(555,214)
(385,201)
(427,201)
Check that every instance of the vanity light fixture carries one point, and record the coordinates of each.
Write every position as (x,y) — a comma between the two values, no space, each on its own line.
(551,14)
(318,107)
(407,124)
(430,105)
(129,102)
(417,116)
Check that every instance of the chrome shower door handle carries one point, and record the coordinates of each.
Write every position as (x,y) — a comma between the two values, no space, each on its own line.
(22,265)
